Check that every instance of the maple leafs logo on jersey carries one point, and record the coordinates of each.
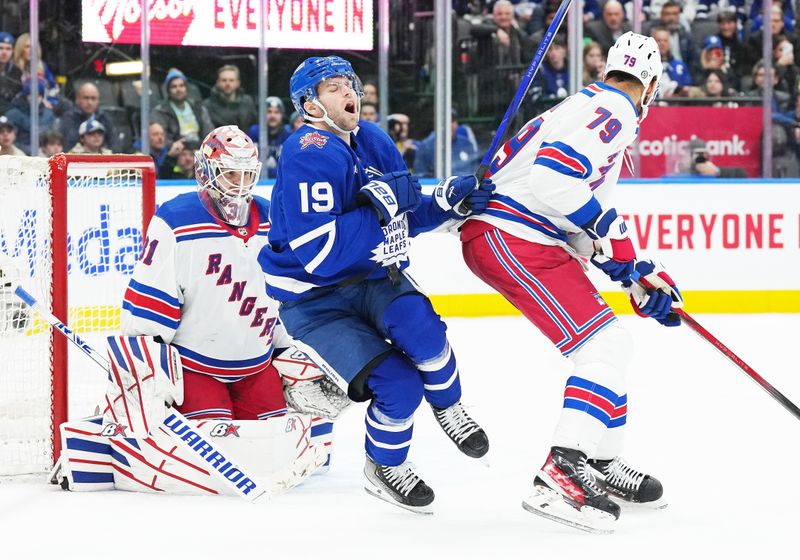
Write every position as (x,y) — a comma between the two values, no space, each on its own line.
(394,248)
(314,138)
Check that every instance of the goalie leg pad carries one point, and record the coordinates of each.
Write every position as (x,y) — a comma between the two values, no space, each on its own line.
(85,464)
(322,437)
(99,456)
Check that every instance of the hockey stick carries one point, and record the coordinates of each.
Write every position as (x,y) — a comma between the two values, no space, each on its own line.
(692,323)
(525,84)
(176,425)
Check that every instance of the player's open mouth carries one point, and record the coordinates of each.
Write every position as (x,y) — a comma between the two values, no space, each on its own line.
(350,108)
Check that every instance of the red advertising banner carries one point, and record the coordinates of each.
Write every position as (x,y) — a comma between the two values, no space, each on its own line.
(292,24)
(732,137)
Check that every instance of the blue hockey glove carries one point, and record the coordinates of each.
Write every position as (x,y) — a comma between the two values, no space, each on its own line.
(392,194)
(463,196)
(653,293)
(617,271)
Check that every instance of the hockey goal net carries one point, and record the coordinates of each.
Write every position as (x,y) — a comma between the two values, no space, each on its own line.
(73,225)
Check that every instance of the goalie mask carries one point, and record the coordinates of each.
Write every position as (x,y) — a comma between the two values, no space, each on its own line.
(638,56)
(226,169)
(306,79)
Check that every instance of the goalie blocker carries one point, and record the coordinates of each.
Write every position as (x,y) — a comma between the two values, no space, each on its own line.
(132,446)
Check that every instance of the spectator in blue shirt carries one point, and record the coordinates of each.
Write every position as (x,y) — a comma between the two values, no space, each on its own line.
(676,79)
(20,115)
(554,76)
(465,155)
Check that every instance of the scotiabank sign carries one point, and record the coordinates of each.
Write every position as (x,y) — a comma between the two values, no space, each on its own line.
(291,24)
(732,137)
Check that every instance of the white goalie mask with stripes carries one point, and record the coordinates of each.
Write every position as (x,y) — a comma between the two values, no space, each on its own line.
(227,169)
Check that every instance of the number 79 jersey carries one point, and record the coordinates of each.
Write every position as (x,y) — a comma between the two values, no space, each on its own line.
(554,174)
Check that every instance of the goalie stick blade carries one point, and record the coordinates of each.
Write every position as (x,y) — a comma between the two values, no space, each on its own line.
(549,504)
(381,494)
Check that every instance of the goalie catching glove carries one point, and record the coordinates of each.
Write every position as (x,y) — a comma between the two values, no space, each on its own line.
(306,388)
(653,293)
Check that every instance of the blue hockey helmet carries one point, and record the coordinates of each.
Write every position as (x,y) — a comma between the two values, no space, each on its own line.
(303,83)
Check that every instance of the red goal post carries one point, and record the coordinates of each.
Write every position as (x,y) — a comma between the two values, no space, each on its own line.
(57,199)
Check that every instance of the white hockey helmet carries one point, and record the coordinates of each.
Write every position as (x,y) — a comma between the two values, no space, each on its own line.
(638,56)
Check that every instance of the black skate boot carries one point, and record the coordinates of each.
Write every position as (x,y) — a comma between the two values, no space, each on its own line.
(463,430)
(565,491)
(622,481)
(398,485)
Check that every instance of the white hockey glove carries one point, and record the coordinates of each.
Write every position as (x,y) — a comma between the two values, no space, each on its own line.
(306,387)
(145,378)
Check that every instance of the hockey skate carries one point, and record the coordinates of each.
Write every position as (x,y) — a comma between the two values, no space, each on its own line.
(628,485)
(565,491)
(320,397)
(463,430)
(399,485)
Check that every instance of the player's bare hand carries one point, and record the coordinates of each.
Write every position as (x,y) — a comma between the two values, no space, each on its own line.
(503,38)
(176,148)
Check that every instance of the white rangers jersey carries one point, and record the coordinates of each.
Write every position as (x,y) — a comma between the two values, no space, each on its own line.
(198,286)
(553,174)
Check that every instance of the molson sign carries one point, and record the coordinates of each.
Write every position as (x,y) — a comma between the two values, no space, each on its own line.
(732,137)
(298,24)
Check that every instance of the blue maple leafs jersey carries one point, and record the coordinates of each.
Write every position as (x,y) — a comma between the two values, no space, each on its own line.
(320,234)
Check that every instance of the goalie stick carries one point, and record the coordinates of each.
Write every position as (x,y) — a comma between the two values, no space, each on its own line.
(183,434)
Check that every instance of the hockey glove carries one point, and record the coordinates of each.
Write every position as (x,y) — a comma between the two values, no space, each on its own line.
(653,293)
(610,234)
(463,196)
(392,195)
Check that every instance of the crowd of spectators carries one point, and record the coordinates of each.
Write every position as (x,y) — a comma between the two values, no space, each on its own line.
(711,50)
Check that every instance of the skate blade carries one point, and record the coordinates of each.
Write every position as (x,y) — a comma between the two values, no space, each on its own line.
(378,493)
(655,505)
(549,504)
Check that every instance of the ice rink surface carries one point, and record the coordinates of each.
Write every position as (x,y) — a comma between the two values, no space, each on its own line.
(726,452)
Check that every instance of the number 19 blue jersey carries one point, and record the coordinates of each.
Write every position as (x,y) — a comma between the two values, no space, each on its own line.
(321,233)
